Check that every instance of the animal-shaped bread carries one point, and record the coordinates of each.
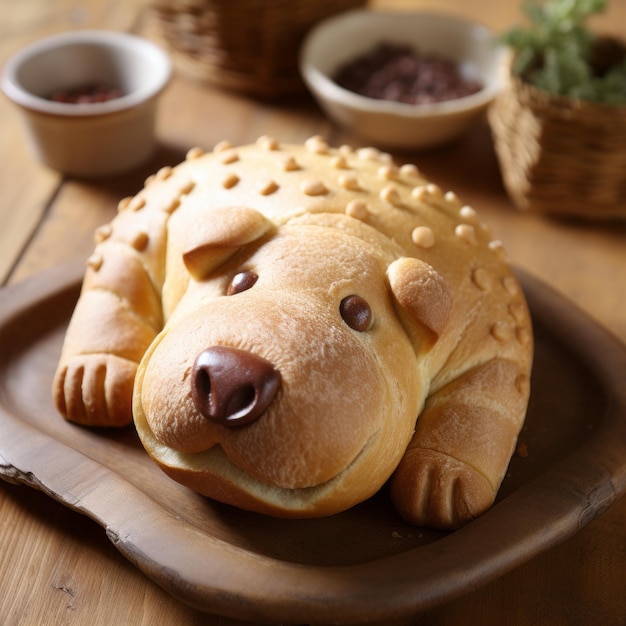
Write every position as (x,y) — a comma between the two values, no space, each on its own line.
(293,326)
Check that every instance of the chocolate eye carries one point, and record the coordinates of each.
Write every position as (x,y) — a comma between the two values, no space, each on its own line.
(356,313)
(241,282)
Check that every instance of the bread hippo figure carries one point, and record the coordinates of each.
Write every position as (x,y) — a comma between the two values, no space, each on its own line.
(291,327)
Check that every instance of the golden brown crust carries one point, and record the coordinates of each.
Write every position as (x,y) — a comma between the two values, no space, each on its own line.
(450,338)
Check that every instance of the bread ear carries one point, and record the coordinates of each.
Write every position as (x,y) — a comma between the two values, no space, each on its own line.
(422,296)
(212,241)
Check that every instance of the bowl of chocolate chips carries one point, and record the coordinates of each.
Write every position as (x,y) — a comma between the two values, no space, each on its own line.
(402,80)
(88,99)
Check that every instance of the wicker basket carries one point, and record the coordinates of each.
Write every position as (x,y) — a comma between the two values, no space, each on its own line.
(558,155)
(249,46)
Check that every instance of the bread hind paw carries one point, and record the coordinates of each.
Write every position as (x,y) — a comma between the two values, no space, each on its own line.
(95,389)
(433,489)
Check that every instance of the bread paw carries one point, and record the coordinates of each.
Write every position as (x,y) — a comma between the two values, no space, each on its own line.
(433,489)
(95,389)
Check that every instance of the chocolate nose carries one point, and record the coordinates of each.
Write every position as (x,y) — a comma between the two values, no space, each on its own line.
(233,387)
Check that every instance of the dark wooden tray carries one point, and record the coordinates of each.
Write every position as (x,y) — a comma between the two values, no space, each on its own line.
(361,565)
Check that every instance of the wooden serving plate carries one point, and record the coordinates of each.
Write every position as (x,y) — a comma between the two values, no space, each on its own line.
(361,565)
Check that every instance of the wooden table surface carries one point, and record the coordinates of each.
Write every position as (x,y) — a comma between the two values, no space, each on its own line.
(56,566)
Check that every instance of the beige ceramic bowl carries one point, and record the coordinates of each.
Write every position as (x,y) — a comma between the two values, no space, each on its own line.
(93,139)
(391,124)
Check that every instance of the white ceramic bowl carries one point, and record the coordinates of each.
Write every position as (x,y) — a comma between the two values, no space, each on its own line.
(93,139)
(342,38)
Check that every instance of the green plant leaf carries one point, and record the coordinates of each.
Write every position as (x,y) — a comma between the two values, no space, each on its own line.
(553,51)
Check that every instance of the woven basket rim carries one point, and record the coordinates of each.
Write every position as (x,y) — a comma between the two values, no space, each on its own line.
(539,98)
(560,155)
(226,44)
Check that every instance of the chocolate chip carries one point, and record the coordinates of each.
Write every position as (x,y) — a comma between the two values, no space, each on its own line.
(356,313)
(397,72)
(86,94)
(241,282)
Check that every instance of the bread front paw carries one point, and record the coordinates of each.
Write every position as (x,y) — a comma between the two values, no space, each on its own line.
(95,389)
(430,488)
